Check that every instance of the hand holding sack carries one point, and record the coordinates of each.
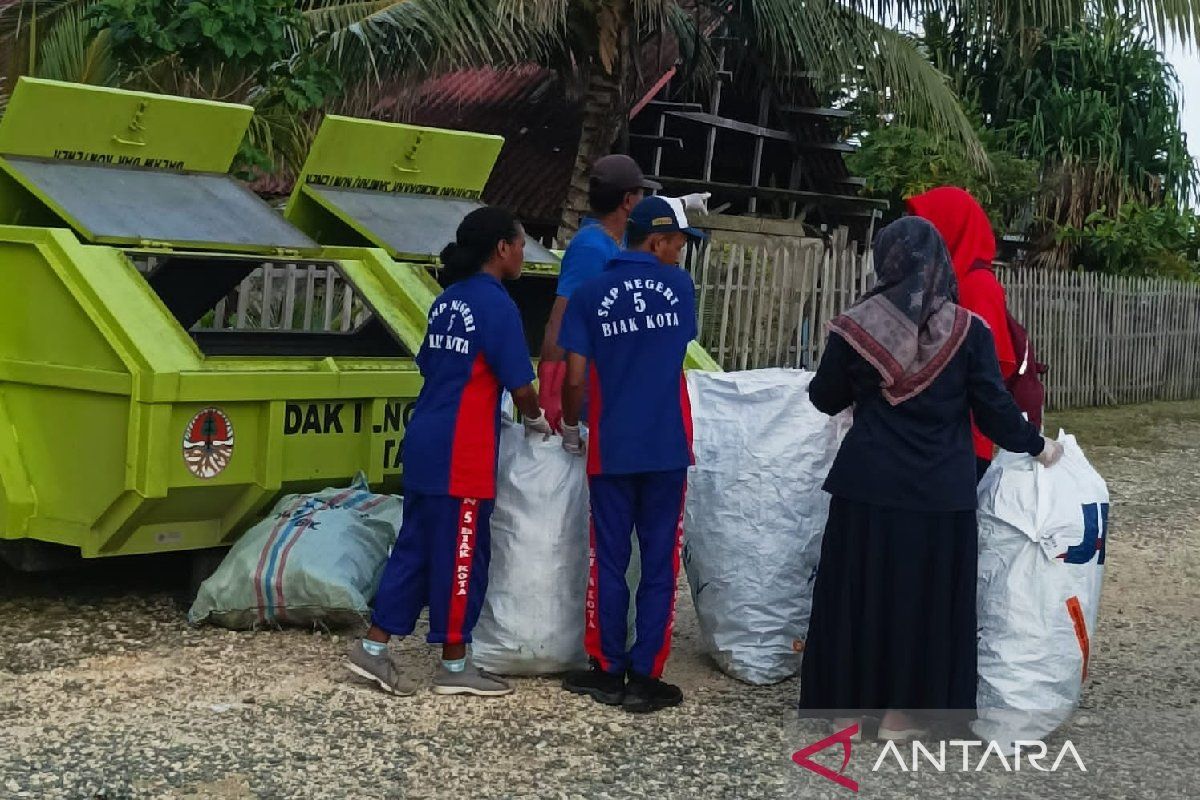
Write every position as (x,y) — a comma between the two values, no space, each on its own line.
(1052,451)
(538,426)
(572,437)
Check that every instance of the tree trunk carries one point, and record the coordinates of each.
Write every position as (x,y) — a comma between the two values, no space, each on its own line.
(602,108)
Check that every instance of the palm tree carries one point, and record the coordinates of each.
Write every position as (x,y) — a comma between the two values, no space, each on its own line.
(1095,105)
(838,44)
(593,45)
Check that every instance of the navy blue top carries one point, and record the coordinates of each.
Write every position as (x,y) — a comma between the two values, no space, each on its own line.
(473,347)
(633,323)
(918,455)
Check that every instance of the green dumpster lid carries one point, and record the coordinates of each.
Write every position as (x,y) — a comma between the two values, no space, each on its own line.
(403,188)
(133,168)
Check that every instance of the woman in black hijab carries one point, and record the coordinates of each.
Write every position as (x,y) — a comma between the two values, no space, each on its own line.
(893,620)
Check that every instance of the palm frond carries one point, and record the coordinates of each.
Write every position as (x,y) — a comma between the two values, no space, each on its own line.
(71,51)
(1004,18)
(418,37)
(695,51)
(795,39)
(17,18)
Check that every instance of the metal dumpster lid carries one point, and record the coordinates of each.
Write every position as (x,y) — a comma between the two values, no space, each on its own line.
(404,188)
(133,168)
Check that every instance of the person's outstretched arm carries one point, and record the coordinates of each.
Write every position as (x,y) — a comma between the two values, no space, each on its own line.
(996,413)
(830,390)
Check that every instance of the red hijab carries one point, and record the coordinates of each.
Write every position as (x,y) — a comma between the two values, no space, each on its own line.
(962,223)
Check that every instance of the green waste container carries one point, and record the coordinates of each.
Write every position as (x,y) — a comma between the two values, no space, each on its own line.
(405,189)
(133,417)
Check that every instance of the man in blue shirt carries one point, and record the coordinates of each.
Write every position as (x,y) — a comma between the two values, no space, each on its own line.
(615,186)
(626,332)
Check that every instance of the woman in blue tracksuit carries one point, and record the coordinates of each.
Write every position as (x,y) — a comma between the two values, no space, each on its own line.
(474,348)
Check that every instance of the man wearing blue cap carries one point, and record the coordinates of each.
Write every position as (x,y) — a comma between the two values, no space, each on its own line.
(626,332)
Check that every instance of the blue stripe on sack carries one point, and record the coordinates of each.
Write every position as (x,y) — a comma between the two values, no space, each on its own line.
(294,527)
(270,572)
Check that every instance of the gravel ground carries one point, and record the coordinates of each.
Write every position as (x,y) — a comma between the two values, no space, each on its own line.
(105,691)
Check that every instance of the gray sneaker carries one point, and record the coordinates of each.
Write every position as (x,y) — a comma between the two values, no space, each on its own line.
(380,670)
(471,680)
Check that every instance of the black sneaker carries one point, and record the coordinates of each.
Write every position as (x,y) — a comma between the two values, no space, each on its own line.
(644,695)
(603,687)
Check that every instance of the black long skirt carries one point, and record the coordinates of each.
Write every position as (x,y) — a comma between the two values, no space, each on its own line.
(893,616)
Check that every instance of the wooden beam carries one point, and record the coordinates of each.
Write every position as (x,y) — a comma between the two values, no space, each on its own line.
(661,141)
(764,108)
(652,92)
(828,147)
(767,192)
(823,113)
(714,121)
(663,105)
(710,141)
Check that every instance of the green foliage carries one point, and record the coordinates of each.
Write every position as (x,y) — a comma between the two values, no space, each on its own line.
(1139,239)
(1081,123)
(255,51)
(899,161)
(1094,102)
(257,33)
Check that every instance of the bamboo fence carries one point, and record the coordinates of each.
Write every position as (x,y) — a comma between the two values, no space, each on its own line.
(1107,339)
(299,297)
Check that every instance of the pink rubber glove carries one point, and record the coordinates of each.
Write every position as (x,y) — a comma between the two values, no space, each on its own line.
(551,375)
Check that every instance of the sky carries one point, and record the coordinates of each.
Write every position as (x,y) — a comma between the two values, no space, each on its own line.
(1187,64)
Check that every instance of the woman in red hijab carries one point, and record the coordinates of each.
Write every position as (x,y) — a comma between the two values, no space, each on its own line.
(968,235)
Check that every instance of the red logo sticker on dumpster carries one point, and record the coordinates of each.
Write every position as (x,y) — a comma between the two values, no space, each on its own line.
(208,443)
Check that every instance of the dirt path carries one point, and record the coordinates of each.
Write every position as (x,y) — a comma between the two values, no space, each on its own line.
(105,692)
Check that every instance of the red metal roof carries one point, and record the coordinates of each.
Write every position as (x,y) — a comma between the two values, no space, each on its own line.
(526,105)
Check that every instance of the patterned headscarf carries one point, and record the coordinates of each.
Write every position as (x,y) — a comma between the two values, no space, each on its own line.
(910,325)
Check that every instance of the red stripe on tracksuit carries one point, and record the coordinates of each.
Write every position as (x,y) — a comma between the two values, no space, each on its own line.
(591,635)
(685,408)
(473,448)
(664,651)
(460,580)
(594,408)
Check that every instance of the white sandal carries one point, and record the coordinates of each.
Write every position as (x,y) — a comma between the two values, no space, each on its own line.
(906,735)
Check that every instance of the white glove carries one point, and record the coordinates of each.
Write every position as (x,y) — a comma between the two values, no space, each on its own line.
(539,425)
(696,202)
(572,440)
(1052,451)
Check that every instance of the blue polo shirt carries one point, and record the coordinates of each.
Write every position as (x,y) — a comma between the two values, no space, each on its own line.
(585,256)
(634,322)
(474,347)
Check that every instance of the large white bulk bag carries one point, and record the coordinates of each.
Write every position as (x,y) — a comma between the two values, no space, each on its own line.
(533,614)
(755,516)
(1042,536)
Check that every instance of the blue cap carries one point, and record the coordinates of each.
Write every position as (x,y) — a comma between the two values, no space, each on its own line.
(656,214)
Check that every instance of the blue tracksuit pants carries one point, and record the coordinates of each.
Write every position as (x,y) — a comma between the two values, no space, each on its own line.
(440,560)
(651,502)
